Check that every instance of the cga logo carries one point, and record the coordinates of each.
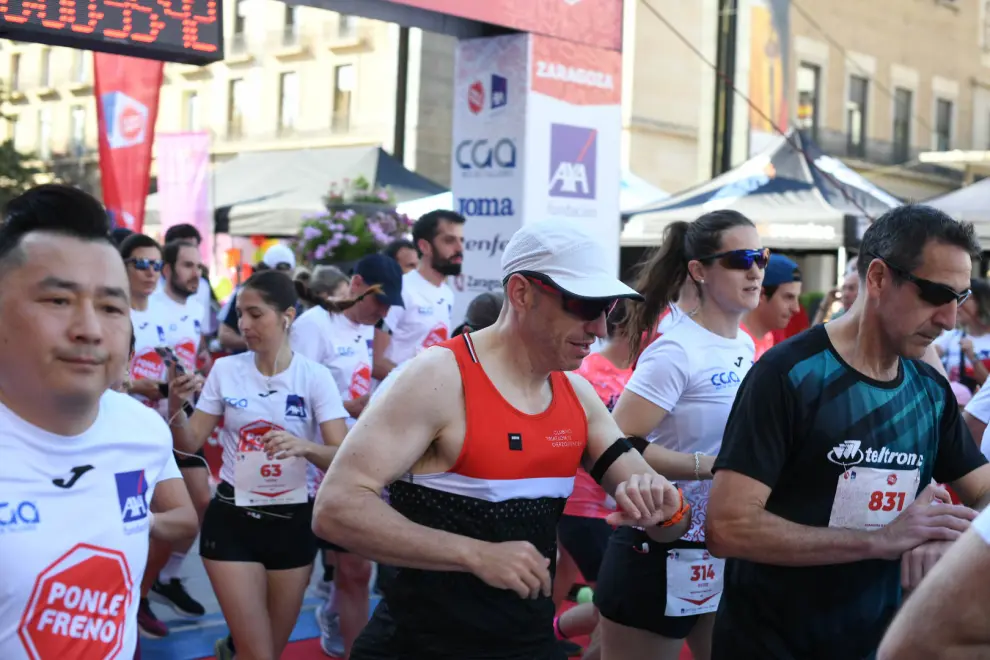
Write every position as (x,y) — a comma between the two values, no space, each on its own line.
(725,379)
(126,119)
(483,158)
(234,402)
(18,516)
(573,158)
(485,207)
(846,453)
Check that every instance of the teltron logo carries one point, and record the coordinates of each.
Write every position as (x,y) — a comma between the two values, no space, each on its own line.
(573,159)
(846,453)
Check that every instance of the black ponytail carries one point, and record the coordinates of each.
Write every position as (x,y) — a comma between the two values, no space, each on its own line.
(333,305)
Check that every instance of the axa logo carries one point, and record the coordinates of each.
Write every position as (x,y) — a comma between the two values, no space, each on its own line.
(573,161)
(491,207)
(846,453)
(126,120)
(132,490)
(295,406)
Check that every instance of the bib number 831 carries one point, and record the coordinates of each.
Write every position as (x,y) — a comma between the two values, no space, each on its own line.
(701,572)
(881,501)
(271,470)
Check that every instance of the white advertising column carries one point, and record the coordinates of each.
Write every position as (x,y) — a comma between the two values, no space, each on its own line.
(537,125)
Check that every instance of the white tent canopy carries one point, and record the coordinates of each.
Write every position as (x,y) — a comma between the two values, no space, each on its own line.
(969,204)
(634,193)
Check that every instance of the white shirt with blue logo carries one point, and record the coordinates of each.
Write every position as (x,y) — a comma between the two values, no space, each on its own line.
(181,326)
(297,401)
(74,530)
(694,375)
(423,322)
(344,347)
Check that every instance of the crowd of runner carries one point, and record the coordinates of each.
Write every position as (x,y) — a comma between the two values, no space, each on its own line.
(649,442)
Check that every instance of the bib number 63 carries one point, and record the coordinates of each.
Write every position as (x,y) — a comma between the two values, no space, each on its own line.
(271,470)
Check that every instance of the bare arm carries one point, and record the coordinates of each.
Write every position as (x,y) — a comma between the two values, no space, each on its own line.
(928,626)
(384,445)
(189,435)
(933,356)
(230,340)
(381,365)
(333,433)
(637,416)
(175,517)
(976,427)
(974,488)
(602,433)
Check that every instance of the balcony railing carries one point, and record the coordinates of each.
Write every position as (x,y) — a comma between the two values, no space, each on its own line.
(879,152)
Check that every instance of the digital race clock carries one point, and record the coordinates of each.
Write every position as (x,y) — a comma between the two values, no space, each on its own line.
(188,31)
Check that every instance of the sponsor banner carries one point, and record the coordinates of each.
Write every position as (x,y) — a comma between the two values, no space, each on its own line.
(184,184)
(593,22)
(576,74)
(573,137)
(486,171)
(127,106)
(769,85)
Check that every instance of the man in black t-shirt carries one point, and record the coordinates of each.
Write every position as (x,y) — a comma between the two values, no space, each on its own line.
(824,479)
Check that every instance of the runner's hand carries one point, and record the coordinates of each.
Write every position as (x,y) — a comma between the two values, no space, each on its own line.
(918,562)
(930,518)
(515,565)
(146,388)
(181,390)
(644,500)
(281,445)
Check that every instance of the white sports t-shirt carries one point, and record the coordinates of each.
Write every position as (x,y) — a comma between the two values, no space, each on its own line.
(423,322)
(182,325)
(149,333)
(336,342)
(203,299)
(297,400)
(979,405)
(982,525)
(693,374)
(74,531)
(388,382)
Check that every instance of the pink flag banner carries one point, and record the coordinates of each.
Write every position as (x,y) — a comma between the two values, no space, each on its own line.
(184,184)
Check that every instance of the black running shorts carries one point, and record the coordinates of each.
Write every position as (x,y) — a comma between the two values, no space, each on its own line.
(277,537)
(632,584)
(585,540)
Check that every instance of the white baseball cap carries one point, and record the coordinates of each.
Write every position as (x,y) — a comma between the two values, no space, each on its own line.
(564,253)
(279,254)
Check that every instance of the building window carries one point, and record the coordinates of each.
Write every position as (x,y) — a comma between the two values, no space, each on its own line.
(235,108)
(15,72)
(78,130)
(240,15)
(903,100)
(46,68)
(856,116)
(190,111)
(288,107)
(44,133)
(291,31)
(343,85)
(79,65)
(346,25)
(808,81)
(943,125)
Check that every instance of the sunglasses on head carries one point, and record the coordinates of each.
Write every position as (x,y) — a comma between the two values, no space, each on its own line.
(146,264)
(586,309)
(741,259)
(933,293)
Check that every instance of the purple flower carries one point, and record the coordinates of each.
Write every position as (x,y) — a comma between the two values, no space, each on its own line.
(351,239)
(320,252)
(309,233)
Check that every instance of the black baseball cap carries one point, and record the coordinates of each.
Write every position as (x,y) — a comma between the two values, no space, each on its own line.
(384,271)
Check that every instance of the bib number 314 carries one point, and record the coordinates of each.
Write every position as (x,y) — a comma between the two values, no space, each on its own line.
(694,582)
(260,481)
(870,498)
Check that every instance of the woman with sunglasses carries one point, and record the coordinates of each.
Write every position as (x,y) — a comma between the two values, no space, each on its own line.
(280,412)
(652,596)
(343,343)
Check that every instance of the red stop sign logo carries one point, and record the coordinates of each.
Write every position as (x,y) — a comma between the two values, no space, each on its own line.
(79,606)
(252,434)
(360,382)
(476,97)
(148,365)
(437,335)
(186,352)
(131,123)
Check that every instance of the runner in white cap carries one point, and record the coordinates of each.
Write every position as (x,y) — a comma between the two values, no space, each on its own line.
(82,467)
(478,442)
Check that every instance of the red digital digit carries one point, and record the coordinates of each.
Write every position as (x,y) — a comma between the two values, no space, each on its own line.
(271,470)
(697,572)
(876,500)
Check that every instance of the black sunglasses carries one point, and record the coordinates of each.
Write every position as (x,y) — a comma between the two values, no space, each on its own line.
(586,309)
(933,293)
(146,264)
(741,259)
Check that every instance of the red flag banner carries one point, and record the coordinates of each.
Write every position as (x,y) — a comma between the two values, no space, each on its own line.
(127,106)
